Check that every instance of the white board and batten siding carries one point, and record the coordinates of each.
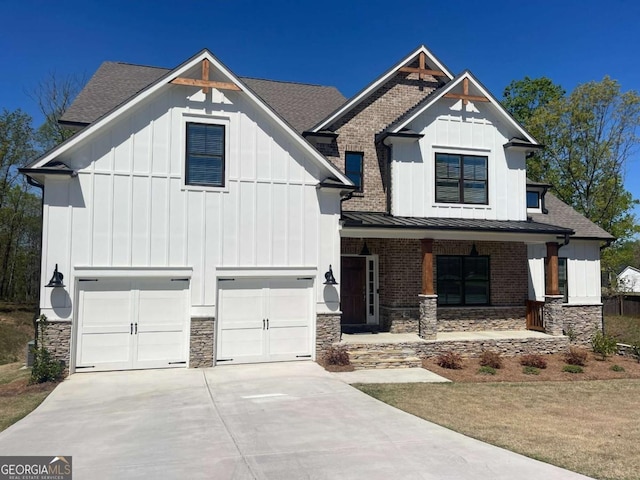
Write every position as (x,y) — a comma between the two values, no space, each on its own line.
(128,206)
(448,129)
(583,271)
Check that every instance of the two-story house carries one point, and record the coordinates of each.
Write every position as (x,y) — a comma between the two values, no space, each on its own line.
(201,218)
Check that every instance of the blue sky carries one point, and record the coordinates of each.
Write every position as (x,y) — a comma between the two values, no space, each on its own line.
(342,43)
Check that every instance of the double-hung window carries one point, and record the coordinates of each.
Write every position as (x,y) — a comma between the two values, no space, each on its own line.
(353,168)
(205,155)
(463,280)
(461,179)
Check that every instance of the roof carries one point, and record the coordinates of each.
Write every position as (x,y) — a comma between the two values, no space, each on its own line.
(384,220)
(301,105)
(629,268)
(561,214)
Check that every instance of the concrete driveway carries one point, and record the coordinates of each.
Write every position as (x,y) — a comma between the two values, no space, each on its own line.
(275,421)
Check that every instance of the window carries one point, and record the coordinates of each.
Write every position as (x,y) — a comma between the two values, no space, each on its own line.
(533,200)
(205,155)
(353,168)
(461,179)
(562,278)
(463,280)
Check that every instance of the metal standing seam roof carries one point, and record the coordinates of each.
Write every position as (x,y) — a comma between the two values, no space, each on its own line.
(301,105)
(384,220)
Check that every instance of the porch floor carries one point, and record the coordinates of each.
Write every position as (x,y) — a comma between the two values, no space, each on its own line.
(386,337)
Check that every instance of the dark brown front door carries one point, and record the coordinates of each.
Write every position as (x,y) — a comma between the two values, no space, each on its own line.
(353,290)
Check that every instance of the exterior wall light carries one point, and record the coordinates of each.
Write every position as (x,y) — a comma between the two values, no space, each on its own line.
(329,278)
(56,279)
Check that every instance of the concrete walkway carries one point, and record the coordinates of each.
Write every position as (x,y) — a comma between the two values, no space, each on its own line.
(276,421)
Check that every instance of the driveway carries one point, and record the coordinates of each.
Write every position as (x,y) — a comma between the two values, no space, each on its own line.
(274,421)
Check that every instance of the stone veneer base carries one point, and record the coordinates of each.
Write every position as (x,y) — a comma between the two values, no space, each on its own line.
(471,319)
(57,339)
(201,342)
(327,332)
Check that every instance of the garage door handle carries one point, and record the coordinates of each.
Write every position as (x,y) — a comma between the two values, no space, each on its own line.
(264,323)
(131,329)
(136,328)
(267,324)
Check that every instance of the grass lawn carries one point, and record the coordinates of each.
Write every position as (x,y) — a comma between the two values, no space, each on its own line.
(590,427)
(625,329)
(16,329)
(17,398)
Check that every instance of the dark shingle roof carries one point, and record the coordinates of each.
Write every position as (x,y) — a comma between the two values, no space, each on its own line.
(384,220)
(301,105)
(561,214)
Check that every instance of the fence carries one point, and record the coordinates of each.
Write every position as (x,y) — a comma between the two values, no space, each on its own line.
(621,305)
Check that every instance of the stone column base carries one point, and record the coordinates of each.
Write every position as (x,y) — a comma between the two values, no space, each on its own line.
(428,325)
(327,332)
(201,342)
(57,340)
(553,316)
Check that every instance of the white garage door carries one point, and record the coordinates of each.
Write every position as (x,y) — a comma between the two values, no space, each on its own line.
(131,323)
(264,320)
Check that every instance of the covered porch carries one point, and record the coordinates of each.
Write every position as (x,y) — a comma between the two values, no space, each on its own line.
(435,283)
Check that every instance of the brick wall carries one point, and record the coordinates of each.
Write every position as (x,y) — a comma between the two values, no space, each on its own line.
(357,130)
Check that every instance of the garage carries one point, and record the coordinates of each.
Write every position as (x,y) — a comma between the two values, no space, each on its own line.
(128,323)
(264,320)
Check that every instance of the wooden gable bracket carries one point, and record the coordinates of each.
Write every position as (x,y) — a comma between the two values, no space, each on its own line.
(464,96)
(422,70)
(205,83)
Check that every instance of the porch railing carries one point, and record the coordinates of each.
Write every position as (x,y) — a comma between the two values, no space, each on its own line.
(535,320)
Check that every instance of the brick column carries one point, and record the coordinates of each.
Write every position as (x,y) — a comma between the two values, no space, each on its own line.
(553,314)
(428,326)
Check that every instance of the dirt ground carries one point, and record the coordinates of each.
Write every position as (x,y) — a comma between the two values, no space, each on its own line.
(512,371)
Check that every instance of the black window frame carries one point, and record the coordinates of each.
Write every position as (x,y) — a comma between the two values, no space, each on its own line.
(440,281)
(222,157)
(537,194)
(461,180)
(359,174)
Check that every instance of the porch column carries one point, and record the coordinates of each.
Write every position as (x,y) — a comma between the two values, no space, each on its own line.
(552,310)
(427,266)
(552,286)
(428,325)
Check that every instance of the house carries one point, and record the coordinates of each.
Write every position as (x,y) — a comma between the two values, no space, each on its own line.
(629,280)
(200,218)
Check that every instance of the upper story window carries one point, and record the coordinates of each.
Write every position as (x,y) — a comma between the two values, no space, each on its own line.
(205,155)
(353,168)
(533,199)
(463,280)
(461,179)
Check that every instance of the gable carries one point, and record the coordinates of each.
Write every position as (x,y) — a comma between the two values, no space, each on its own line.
(218,75)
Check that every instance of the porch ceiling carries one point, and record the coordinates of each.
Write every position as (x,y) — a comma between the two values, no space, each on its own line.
(362,221)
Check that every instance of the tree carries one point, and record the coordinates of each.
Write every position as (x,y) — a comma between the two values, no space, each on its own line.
(523,97)
(54,96)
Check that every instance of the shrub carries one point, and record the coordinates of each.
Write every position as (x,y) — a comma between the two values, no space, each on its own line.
(487,370)
(617,368)
(45,368)
(604,345)
(635,348)
(576,356)
(535,361)
(336,356)
(451,360)
(530,370)
(572,369)
(491,359)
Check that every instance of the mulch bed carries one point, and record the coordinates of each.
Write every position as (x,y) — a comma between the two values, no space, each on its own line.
(511,370)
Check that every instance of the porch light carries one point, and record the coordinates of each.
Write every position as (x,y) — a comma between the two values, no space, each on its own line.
(56,279)
(329,278)
(474,252)
(365,250)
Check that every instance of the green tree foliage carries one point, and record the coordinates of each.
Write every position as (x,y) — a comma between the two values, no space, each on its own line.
(19,211)
(589,135)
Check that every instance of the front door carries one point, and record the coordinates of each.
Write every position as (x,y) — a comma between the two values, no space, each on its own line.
(353,291)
